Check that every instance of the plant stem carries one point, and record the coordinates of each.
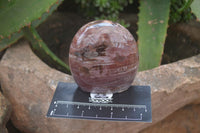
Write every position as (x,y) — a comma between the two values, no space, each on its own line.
(185,6)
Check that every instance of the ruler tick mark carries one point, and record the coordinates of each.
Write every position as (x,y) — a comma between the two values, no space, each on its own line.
(111,114)
(51,112)
(82,113)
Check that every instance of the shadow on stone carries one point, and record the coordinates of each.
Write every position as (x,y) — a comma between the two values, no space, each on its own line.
(11,128)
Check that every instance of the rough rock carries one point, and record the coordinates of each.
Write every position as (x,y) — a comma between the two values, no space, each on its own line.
(29,84)
(184,120)
(5,111)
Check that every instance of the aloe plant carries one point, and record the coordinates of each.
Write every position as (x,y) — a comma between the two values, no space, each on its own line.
(154,17)
(18,14)
(152,28)
(20,17)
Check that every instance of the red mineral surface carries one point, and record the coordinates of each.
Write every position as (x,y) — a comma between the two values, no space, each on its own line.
(103,57)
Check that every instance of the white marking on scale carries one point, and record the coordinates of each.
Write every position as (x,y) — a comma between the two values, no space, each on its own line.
(134,109)
(126,117)
(54,102)
(111,114)
(100,108)
(145,110)
(67,114)
(54,110)
(67,105)
(96,115)
(111,108)
(56,105)
(100,117)
(82,113)
(51,112)
(89,107)
(78,107)
(122,109)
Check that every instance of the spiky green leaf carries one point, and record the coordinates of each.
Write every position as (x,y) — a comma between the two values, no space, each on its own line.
(152,29)
(15,14)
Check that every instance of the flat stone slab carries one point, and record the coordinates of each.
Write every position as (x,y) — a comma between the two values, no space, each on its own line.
(29,84)
(184,120)
(5,111)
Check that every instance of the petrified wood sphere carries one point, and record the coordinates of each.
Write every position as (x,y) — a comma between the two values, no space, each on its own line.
(103,57)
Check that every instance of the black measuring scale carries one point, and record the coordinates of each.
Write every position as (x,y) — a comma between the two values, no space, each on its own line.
(133,104)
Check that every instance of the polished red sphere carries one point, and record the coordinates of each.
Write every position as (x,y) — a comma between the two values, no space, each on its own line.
(103,57)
